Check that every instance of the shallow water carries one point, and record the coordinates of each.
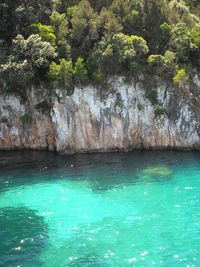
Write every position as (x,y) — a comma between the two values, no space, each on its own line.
(118,209)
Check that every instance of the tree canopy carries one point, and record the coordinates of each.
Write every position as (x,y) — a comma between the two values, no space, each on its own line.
(67,42)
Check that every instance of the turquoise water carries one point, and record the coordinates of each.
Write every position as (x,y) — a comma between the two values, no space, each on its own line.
(118,209)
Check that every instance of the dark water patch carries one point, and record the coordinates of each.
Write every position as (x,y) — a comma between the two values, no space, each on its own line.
(103,171)
(23,235)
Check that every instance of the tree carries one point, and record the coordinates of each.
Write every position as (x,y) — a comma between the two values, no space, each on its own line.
(180,13)
(28,58)
(62,74)
(60,24)
(98,5)
(46,32)
(108,23)
(16,75)
(63,5)
(80,71)
(16,15)
(84,25)
(182,42)
(155,14)
(36,51)
(133,22)
(117,52)
(121,8)
(165,34)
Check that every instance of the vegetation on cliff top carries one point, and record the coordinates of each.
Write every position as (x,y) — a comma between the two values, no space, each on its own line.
(72,42)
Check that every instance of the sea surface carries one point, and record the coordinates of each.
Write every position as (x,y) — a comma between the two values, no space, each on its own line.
(118,209)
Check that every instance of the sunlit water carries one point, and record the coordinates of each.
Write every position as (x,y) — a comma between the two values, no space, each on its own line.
(134,209)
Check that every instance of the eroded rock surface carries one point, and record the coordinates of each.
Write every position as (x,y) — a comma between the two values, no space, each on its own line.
(121,118)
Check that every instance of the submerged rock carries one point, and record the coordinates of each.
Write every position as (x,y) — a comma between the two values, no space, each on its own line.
(156,172)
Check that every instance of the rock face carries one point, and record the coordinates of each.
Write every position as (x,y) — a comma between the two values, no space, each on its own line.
(124,117)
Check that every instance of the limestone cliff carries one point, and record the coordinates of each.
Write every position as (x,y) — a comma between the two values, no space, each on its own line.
(125,116)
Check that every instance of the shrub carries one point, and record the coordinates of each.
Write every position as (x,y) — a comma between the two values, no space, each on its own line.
(156,60)
(182,41)
(98,78)
(181,78)
(153,97)
(165,28)
(26,119)
(43,106)
(135,67)
(169,57)
(4,120)
(159,112)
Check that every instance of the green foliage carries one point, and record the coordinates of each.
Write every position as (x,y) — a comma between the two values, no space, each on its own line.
(157,63)
(181,78)
(161,64)
(135,68)
(110,36)
(60,24)
(159,112)
(165,34)
(180,12)
(155,14)
(26,119)
(45,32)
(153,97)
(165,28)
(16,75)
(62,74)
(121,8)
(64,50)
(182,42)
(133,23)
(156,60)
(169,57)
(63,5)
(108,23)
(34,50)
(57,19)
(197,40)
(16,16)
(27,58)
(43,106)
(84,24)
(117,52)
(4,120)
(80,72)
(98,78)
(70,11)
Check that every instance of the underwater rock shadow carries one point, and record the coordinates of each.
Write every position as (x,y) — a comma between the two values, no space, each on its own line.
(156,173)
(23,235)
